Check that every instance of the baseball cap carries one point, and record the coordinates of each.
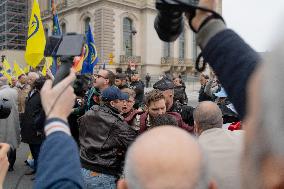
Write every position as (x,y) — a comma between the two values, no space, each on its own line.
(164,84)
(113,93)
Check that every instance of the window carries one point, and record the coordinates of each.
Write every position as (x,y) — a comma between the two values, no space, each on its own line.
(182,45)
(86,23)
(194,47)
(63,28)
(167,49)
(127,36)
(49,4)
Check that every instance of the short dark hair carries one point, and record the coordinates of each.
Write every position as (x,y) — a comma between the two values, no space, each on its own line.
(153,96)
(164,120)
(111,77)
(38,84)
(118,70)
(20,76)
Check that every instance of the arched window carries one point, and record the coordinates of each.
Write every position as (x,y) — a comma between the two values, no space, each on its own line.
(167,49)
(86,23)
(194,47)
(49,4)
(63,28)
(182,45)
(127,36)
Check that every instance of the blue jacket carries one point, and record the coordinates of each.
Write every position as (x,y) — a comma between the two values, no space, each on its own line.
(59,163)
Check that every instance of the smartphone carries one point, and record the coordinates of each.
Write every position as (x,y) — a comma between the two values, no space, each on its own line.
(70,44)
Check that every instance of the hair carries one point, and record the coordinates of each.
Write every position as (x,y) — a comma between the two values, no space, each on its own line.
(118,70)
(130,92)
(38,84)
(162,120)
(20,76)
(153,96)
(208,118)
(111,77)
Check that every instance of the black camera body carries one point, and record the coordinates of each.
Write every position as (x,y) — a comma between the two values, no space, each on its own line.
(169,22)
(5,108)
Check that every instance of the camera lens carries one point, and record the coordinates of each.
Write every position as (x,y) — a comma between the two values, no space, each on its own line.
(169,25)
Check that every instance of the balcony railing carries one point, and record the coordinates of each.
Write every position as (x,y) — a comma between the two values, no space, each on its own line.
(127,59)
(170,61)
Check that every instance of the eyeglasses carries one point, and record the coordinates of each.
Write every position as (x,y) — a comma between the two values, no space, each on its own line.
(99,76)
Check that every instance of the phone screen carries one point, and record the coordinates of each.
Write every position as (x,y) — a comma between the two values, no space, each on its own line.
(67,45)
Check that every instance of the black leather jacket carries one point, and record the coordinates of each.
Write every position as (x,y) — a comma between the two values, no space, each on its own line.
(104,139)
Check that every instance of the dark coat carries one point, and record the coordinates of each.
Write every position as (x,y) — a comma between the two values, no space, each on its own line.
(203,96)
(104,139)
(32,122)
(233,62)
(138,87)
(185,111)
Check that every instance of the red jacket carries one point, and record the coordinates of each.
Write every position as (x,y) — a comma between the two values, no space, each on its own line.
(177,116)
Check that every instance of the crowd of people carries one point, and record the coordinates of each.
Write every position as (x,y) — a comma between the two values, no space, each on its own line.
(105,132)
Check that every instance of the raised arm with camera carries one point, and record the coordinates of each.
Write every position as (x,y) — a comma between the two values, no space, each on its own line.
(231,58)
(58,164)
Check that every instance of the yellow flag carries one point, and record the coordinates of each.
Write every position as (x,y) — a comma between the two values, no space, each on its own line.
(111,56)
(8,76)
(47,64)
(27,69)
(18,70)
(6,65)
(36,38)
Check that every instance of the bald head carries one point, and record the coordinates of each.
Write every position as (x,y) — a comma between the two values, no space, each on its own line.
(32,76)
(208,115)
(164,157)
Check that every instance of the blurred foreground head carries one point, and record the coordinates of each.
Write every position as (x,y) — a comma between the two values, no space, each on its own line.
(264,153)
(171,159)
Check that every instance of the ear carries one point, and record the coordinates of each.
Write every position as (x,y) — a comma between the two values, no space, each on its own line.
(121,184)
(111,103)
(212,185)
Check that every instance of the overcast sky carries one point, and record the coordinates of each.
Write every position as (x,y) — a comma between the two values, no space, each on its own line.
(257,21)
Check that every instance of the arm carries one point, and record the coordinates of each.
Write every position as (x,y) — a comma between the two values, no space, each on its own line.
(231,58)
(234,66)
(59,164)
(58,156)
(208,88)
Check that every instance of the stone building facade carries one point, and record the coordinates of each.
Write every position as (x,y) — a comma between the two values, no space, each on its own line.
(125,28)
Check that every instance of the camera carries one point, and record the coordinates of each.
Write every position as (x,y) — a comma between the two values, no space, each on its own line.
(5,108)
(66,47)
(169,23)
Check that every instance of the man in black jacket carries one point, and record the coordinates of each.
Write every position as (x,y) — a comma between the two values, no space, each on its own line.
(33,121)
(138,86)
(104,139)
(167,87)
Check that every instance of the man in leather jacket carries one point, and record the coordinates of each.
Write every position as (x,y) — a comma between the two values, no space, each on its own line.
(104,139)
